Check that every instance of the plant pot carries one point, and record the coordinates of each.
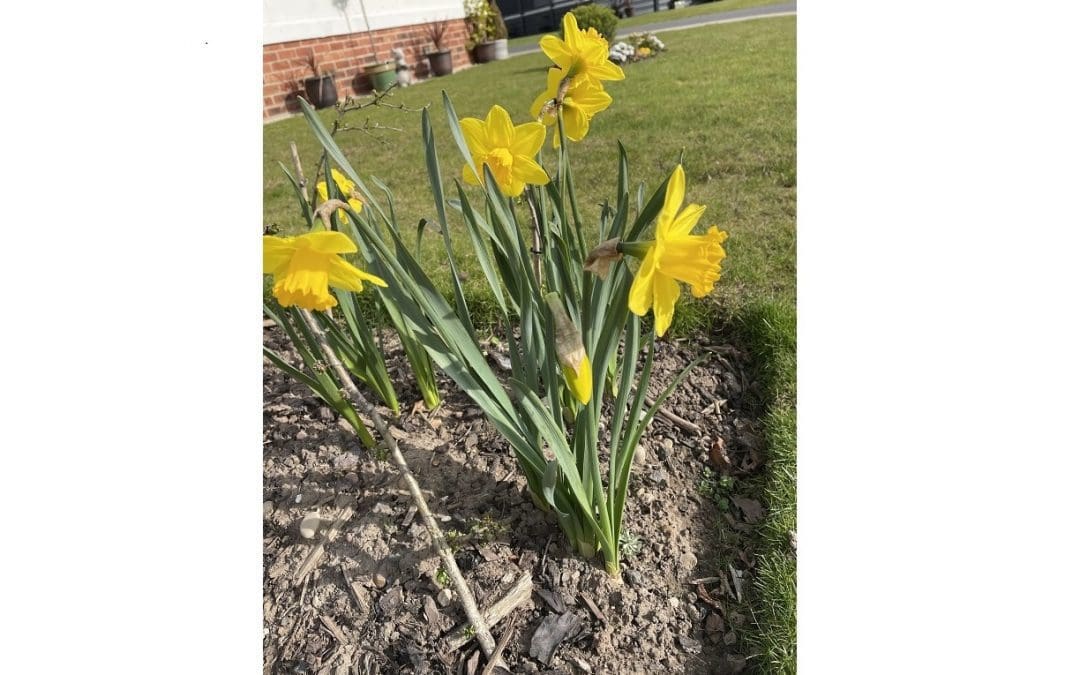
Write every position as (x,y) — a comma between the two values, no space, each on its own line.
(502,49)
(485,51)
(321,91)
(381,75)
(442,63)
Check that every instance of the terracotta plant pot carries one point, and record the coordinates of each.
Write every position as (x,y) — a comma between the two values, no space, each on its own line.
(321,91)
(381,75)
(442,63)
(485,51)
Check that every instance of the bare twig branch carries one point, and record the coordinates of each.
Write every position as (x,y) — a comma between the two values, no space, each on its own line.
(493,662)
(518,593)
(483,633)
(296,165)
(537,251)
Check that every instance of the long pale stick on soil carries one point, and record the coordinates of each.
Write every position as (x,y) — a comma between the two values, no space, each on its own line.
(518,593)
(483,633)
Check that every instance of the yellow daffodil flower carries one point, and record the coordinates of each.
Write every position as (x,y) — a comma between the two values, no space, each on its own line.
(580,102)
(506,149)
(579,380)
(581,54)
(676,256)
(570,351)
(305,266)
(347,189)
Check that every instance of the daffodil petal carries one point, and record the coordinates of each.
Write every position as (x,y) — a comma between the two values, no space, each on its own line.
(641,294)
(528,139)
(571,32)
(591,100)
(516,186)
(320,187)
(527,170)
(556,50)
(473,130)
(606,70)
(665,294)
(346,276)
(276,254)
(575,122)
(329,242)
(684,222)
(499,127)
(344,184)
(469,176)
(673,199)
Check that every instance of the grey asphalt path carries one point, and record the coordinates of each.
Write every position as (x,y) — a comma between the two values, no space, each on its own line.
(660,26)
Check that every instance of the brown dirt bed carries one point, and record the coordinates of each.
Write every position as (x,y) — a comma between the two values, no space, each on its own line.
(373,603)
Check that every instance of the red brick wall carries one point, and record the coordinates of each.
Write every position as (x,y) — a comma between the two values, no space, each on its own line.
(284,66)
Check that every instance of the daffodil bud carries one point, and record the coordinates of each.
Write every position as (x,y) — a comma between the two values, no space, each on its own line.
(600,258)
(570,351)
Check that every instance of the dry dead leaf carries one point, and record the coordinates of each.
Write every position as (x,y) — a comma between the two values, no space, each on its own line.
(751,508)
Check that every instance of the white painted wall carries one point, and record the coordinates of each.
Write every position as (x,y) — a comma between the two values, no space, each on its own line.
(285,20)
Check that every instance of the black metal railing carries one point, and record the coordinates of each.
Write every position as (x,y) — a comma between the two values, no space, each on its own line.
(534,17)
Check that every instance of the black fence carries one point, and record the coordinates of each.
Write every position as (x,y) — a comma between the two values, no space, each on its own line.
(533,17)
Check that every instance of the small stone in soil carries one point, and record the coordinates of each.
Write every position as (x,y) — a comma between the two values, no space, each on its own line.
(688,561)
(391,601)
(691,645)
(444,597)
(431,612)
(379,580)
(633,577)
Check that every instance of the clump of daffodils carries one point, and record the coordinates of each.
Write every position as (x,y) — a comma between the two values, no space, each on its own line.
(576,343)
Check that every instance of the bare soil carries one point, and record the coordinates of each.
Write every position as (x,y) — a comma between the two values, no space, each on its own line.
(375,602)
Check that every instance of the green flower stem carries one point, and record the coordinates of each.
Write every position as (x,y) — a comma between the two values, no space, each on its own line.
(638,249)
(483,633)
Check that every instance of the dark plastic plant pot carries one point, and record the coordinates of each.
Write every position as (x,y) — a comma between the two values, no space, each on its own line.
(381,75)
(321,91)
(442,63)
(485,51)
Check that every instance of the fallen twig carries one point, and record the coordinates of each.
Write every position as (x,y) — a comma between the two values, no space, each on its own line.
(483,633)
(685,425)
(492,663)
(518,593)
(315,555)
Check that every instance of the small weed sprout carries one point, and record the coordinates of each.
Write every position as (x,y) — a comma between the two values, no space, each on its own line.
(629,544)
(716,487)
(442,578)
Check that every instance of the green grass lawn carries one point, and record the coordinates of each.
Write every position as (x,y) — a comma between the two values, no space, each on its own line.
(724,97)
(627,25)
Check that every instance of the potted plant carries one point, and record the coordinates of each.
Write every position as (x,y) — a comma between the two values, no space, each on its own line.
(319,88)
(481,22)
(441,59)
(381,74)
(502,47)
